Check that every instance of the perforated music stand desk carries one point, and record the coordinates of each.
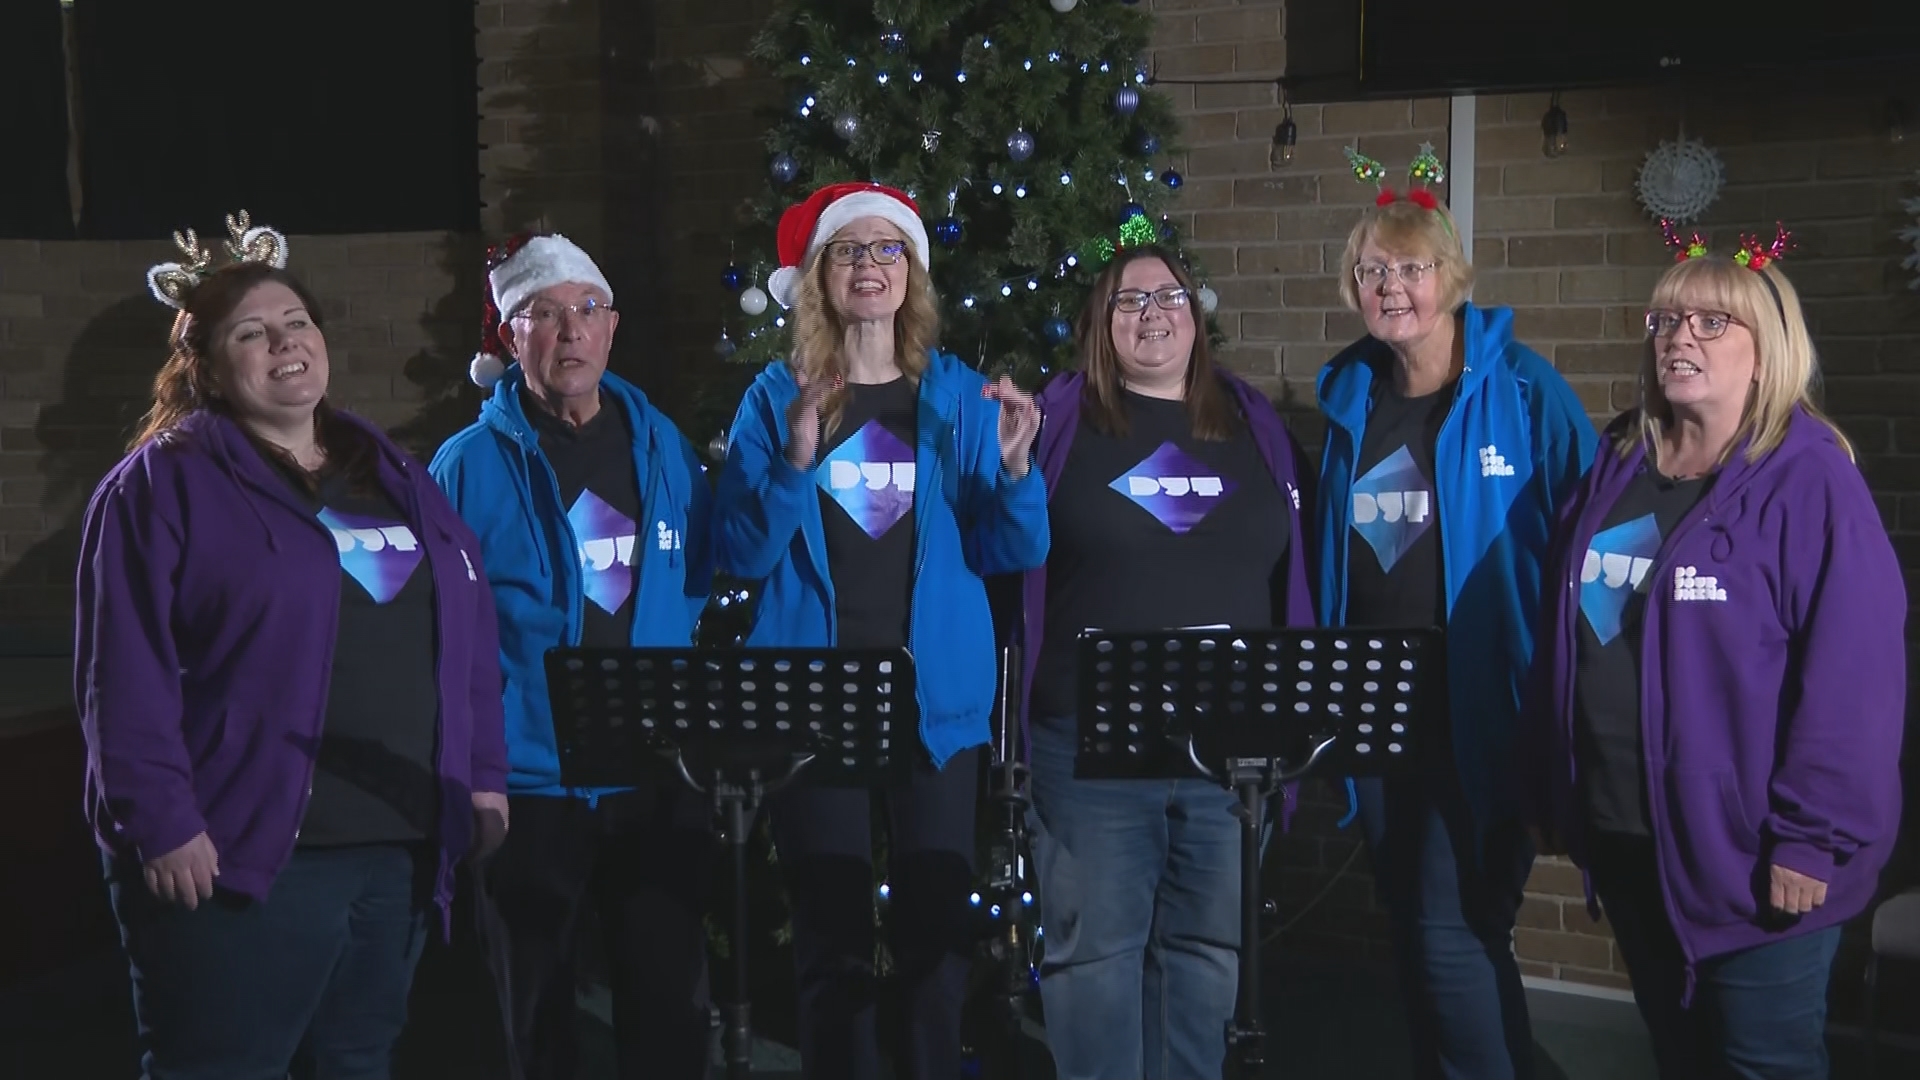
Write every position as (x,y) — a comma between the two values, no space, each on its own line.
(735,725)
(1253,710)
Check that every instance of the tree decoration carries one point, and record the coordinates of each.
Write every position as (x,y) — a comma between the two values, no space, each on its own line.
(1679,180)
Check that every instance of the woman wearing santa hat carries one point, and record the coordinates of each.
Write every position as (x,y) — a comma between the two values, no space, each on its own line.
(871,482)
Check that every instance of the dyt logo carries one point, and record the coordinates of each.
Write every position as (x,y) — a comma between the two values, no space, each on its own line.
(606,551)
(1392,507)
(380,555)
(1176,489)
(871,477)
(1617,563)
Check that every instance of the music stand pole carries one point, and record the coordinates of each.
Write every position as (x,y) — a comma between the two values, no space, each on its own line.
(1252,710)
(736,725)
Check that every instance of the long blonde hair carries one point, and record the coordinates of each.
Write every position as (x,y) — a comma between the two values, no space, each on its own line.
(1788,369)
(818,331)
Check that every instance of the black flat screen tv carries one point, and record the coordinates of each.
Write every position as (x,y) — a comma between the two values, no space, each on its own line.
(1422,47)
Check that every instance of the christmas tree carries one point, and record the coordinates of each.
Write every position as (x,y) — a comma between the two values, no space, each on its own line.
(1024,129)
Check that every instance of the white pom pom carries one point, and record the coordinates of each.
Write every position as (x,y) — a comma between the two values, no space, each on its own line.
(782,283)
(486,370)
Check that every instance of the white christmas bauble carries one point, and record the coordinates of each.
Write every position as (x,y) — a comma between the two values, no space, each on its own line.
(753,300)
(1063,6)
(1208,299)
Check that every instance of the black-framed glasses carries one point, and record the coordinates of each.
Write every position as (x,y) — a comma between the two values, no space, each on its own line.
(878,252)
(1705,325)
(546,315)
(1172,298)
(1371,275)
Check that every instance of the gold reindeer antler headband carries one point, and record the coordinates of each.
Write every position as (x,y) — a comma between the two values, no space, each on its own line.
(170,282)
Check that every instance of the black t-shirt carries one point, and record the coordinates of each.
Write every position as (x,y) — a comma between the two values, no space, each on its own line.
(375,779)
(866,479)
(1614,579)
(1393,548)
(599,486)
(1153,530)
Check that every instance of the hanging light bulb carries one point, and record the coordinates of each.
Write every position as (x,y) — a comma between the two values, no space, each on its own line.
(1553,129)
(1285,135)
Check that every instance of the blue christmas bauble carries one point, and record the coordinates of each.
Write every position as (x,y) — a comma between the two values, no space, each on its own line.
(1129,211)
(1148,144)
(783,168)
(1166,231)
(947,230)
(733,277)
(1020,145)
(1172,179)
(1059,330)
(893,40)
(1125,100)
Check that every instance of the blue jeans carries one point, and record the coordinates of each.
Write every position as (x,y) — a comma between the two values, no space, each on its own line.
(1140,902)
(1452,921)
(313,980)
(1756,1014)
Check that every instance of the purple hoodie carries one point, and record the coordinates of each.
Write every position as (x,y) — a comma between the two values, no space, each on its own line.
(1060,412)
(1772,689)
(208,602)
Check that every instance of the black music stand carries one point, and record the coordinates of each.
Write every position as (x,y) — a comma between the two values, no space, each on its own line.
(1004,897)
(1254,710)
(736,725)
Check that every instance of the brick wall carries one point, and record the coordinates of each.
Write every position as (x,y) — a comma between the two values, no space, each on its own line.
(1566,246)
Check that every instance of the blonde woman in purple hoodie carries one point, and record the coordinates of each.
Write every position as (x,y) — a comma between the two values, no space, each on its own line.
(1715,719)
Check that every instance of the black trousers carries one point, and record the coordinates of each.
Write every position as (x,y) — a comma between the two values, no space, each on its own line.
(644,860)
(824,840)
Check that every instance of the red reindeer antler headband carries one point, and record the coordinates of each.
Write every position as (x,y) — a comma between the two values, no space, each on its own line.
(1751,254)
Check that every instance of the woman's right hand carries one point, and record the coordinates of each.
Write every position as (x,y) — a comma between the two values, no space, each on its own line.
(185,874)
(803,421)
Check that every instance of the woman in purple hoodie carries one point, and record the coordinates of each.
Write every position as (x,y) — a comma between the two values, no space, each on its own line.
(289,686)
(1172,501)
(1715,716)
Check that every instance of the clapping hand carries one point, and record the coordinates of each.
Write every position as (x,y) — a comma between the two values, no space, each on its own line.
(803,420)
(1019,423)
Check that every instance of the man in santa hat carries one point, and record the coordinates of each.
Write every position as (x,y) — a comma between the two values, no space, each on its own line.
(592,514)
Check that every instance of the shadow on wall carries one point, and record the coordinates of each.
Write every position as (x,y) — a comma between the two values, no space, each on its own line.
(104,388)
(449,400)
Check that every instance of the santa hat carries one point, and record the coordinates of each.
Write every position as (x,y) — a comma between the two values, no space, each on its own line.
(805,228)
(524,265)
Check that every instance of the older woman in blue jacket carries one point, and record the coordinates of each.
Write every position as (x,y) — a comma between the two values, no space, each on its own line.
(1450,446)
(871,483)
(1716,719)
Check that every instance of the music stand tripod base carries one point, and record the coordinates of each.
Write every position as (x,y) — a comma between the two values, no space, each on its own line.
(1253,710)
(735,725)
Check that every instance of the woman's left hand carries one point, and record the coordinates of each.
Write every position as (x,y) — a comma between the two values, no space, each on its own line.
(1793,892)
(1019,423)
(489,822)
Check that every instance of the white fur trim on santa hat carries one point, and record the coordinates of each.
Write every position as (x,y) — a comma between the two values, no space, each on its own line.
(542,263)
(784,283)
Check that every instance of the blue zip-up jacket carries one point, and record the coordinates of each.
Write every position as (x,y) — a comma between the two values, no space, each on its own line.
(970,520)
(1514,445)
(499,480)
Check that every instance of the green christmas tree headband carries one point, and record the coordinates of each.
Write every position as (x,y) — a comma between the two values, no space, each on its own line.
(1425,171)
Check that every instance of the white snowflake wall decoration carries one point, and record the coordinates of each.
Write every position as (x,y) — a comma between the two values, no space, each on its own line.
(1679,179)
(1911,234)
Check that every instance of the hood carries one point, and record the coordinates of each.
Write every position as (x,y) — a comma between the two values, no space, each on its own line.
(1345,384)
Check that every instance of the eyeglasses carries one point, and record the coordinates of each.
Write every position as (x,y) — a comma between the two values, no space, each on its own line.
(589,312)
(1706,325)
(879,252)
(1372,275)
(1172,298)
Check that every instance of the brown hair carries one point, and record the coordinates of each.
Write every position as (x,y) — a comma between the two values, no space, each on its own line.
(1209,407)
(184,384)
(818,331)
